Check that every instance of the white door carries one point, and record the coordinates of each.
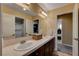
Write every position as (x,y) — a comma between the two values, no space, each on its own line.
(75,30)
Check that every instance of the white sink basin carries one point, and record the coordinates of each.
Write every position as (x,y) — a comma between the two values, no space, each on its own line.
(25,46)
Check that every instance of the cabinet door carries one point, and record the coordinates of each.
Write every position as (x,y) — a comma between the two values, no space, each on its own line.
(47,49)
(38,52)
(51,49)
(52,46)
(41,51)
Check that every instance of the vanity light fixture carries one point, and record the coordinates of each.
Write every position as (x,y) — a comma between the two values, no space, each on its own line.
(28,3)
(41,15)
(44,13)
(23,6)
(24,9)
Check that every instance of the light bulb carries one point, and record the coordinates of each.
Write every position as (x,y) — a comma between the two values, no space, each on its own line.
(24,9)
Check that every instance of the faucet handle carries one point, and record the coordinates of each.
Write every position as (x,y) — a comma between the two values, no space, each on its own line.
(23,41)
(13,34)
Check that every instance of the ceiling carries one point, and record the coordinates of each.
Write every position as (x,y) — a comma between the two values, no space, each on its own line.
(45,6)
(16,7)
(50,6)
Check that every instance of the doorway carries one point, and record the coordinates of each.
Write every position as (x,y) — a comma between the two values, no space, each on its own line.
(64,33)
(19,27)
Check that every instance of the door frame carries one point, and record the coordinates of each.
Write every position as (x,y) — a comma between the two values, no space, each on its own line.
(75,29)
(62,32)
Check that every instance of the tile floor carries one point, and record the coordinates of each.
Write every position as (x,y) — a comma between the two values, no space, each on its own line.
(65,49)
(62,54)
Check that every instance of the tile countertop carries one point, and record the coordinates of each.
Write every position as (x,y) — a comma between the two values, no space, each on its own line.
(10,51)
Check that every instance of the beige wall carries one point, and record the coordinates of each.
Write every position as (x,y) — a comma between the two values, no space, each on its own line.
(52,15)
(66,28)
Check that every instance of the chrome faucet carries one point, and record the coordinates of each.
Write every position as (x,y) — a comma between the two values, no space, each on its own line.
(22,42)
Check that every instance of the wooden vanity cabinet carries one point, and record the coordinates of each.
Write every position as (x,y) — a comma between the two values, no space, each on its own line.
(49,47)
(45,50)
(38,52)
(52,46)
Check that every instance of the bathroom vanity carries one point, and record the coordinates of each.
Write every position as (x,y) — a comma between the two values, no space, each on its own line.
(42,47)
(46,50)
